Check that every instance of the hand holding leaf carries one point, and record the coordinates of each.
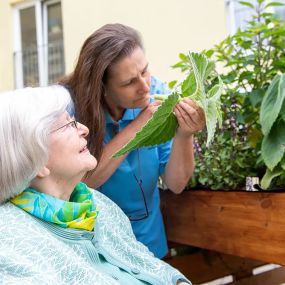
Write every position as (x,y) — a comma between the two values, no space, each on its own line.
(163,124)
(190,117)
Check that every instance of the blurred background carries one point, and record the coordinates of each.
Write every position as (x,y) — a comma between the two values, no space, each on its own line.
(40,39)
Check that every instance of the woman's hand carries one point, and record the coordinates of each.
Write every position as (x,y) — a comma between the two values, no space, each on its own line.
(147,112)
(190,117)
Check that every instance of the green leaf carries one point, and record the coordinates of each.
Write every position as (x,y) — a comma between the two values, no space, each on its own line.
(273,145)
(282,111)
(178,65)
(282,163)
(199,64)
(183,57)
(246,4)
(274,4)
(213,110)
(159,129)
(209,53)
(255,97)
(269,175)
(189,85)
(160,97)
(172,83)
(272,103)
(254,137)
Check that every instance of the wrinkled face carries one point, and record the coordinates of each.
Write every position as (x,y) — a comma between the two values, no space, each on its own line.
(69,157)
(128,82)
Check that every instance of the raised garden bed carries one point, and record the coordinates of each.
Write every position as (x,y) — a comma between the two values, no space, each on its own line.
(246,224)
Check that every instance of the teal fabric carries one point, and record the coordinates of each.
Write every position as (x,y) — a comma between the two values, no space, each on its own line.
(36,252)
(122,187)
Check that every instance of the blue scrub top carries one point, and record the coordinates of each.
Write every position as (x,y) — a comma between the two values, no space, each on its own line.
(145,164)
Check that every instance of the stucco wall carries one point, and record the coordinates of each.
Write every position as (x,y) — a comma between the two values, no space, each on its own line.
(6,47)
(168,27)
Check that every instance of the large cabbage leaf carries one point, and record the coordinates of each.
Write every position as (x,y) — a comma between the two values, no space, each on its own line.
(162,126)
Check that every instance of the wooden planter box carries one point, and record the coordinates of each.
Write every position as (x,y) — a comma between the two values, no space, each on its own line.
(240,223)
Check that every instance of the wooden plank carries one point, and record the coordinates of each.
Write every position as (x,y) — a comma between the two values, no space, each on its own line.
(272,277)
(204,265)
(246,224)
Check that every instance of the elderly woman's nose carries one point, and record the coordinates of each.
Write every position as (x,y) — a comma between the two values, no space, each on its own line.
(83,130)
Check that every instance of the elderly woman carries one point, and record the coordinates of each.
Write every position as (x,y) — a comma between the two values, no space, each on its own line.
(53,228)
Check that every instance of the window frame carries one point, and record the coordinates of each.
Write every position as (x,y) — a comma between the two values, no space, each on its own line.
(41,19)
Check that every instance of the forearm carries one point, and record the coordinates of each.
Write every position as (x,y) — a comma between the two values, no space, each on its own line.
(181,163)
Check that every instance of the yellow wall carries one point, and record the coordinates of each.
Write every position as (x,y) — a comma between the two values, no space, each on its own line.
(6,47)
(168,27)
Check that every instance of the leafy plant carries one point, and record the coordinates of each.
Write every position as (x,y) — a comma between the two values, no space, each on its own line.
(162,125)
(251,59)
(272,118)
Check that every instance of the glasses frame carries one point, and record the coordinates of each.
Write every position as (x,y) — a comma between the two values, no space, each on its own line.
(73,123)
(146,214)
(115,131)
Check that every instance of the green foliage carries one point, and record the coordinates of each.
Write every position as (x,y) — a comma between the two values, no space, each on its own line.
(272,103)
(272,120)
(251,59)
(162,125)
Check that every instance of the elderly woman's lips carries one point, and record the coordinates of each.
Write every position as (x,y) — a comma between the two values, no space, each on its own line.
(85,149)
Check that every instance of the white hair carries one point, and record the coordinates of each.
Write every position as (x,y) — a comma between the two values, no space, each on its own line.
(26,118)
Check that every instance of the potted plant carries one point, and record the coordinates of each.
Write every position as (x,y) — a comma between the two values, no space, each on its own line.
(249,143)
(250,59)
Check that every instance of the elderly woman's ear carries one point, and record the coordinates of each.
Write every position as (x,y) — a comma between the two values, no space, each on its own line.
(44,172)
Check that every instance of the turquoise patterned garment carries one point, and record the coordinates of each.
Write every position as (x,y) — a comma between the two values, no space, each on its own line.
(80,212)
(33,251)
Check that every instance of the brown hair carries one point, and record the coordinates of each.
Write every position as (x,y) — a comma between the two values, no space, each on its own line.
(104,47)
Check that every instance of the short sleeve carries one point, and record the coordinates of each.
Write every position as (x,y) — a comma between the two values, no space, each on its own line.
(158,87)
(164,151)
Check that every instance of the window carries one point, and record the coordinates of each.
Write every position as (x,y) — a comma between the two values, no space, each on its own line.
(39,50)
(238,14)
(280,10)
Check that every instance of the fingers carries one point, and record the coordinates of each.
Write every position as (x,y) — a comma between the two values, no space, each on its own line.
(185,116)
(156,103)
(148,111)
(190,116)
(154,106)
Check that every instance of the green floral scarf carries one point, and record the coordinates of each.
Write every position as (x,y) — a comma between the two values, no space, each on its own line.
(80,212)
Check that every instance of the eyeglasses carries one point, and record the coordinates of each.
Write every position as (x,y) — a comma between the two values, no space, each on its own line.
(139,182)
(146,213)
(115,131)
(72,123)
